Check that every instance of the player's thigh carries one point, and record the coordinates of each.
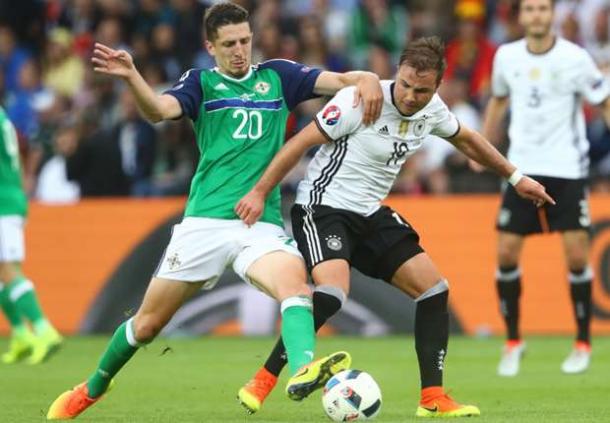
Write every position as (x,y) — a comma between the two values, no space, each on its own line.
(518,215)
(199,250)
(269,260)
(571,213)
(576,244)
(416,275)
(324,233)
(279,274)
(334,272)
(510,246)
(162,299)
(12,243)
(390,241)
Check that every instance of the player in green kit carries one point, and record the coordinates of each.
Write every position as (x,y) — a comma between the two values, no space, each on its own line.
(17,295)
(239,113)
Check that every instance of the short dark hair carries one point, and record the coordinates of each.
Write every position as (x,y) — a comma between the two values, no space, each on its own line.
(425,54)
(222,14)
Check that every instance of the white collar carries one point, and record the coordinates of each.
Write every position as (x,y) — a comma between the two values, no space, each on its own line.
(230,78)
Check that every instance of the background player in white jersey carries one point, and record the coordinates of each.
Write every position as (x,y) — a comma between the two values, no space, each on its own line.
(239,113)
(338,220)
(543,79)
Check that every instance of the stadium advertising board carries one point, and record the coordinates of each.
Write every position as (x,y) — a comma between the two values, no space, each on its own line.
(91,263)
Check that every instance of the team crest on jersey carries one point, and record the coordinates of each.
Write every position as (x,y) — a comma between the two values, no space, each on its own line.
(262,87)
(174,261)
(334,242)
(331,115)
(534,74)
(419,126)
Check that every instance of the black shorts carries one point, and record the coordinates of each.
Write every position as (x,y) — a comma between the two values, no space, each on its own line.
(376,245)
(521,216)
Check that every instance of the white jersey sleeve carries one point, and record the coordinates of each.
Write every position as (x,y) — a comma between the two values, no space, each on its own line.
(591,82)
(444,124)
(338,117)
(499,86)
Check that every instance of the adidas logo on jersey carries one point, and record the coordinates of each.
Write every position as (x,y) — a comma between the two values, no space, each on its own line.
(384,130)
(221,86)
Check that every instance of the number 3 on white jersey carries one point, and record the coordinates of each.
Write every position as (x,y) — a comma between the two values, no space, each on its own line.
(253,119)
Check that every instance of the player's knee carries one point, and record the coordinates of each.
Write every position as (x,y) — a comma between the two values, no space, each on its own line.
(292,288)
(577,258)
(507,256)
(577,264)
(8,272)
(147,327)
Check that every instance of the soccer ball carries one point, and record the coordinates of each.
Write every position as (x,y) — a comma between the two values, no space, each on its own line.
(351,395)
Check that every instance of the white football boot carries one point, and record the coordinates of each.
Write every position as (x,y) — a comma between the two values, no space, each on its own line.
(579,359)
(511,358)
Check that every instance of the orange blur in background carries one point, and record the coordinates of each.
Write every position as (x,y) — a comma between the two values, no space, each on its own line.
(72,250)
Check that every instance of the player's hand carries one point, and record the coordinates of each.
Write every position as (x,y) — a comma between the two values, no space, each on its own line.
(112,62)
(250,207)
(369,92)
(475,166)
(532,190)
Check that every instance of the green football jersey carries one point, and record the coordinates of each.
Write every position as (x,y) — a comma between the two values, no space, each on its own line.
(13,200)
(239,126)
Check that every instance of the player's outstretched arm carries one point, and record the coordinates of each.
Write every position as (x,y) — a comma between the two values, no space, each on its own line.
(494,113)
(477,148)
(119,63)
(368,90)
(251,206)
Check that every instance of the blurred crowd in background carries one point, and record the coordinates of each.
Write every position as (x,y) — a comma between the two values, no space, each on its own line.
(81,135)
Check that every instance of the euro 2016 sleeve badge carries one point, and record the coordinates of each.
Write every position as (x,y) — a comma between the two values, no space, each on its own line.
(331,115)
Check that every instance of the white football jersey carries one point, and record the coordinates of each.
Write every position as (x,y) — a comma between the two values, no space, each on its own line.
(547,124)
(357,168)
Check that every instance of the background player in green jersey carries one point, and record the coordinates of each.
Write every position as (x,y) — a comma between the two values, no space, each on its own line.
(17,296)
(239,113)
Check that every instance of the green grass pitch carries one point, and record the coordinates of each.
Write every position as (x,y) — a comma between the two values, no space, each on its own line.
(195,380)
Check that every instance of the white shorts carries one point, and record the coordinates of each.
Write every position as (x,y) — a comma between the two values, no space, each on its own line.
(201,248)
(12,245)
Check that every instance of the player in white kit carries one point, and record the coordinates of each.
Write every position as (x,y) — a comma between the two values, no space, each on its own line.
(544,79)
(339,221)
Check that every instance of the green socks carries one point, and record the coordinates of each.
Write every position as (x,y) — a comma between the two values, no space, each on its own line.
(9,309)
(298,331)
(122,347)
(18,299)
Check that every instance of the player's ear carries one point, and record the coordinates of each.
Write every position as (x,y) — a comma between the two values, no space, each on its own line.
(210,48)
